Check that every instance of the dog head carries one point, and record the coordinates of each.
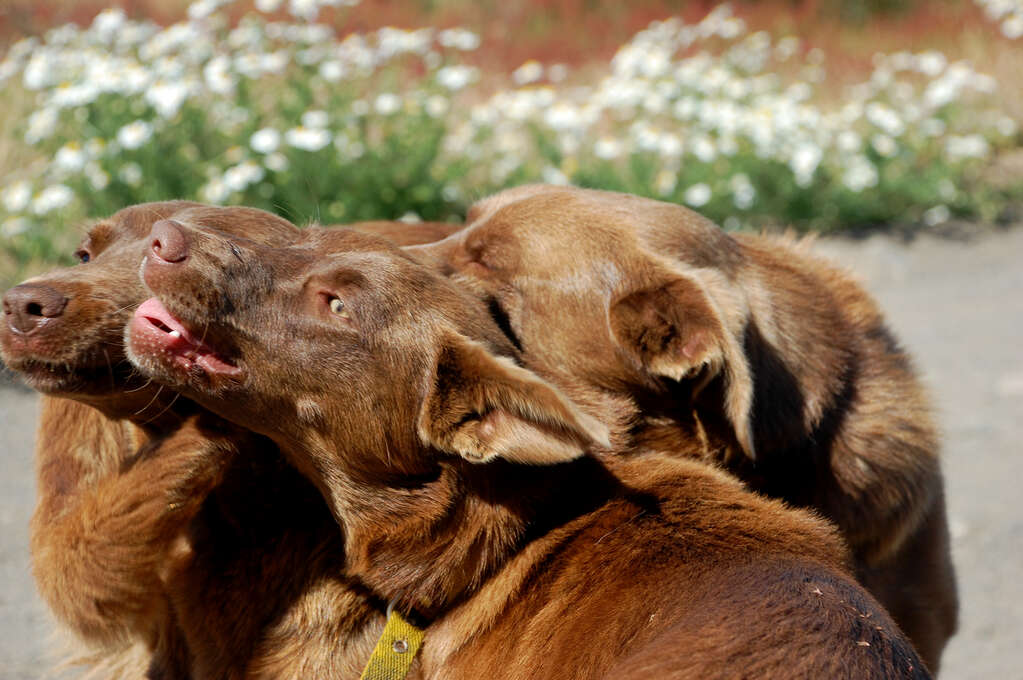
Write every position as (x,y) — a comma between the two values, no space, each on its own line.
(344,347)
(624,291)
(63,331)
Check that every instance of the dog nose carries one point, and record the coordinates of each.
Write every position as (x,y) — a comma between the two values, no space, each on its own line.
(170,242)
(26,306)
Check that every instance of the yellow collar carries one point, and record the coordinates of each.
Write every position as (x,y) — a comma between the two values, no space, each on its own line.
(396,649)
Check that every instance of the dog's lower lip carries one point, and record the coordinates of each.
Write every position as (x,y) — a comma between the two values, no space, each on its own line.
(158,333)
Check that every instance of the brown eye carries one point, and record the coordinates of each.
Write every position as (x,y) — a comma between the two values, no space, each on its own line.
(336,305)
(82,255)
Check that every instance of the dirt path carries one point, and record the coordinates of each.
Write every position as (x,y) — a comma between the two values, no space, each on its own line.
(957,306)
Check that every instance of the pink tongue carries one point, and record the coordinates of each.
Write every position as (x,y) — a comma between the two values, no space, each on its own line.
(154,309)
(184,344)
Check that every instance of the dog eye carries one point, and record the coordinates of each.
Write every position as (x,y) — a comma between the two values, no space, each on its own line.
(83,255)
(336,305)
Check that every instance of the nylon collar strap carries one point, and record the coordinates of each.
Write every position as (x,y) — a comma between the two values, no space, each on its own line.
(395,651)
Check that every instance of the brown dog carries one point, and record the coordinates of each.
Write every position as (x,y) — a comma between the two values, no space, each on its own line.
(781,364)
(145,518)
(462,485)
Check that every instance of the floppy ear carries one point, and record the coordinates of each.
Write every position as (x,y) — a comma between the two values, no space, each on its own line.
(674,329)
(483,407)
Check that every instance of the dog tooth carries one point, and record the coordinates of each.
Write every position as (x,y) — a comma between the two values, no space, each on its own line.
(175,334)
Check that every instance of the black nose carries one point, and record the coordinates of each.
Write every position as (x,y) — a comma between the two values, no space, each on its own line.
(170,242)
(26,306)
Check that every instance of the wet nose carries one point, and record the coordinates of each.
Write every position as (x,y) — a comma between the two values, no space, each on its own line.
(170,242)
(27,305)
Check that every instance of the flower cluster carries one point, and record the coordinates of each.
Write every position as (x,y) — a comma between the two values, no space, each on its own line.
(733,123)
(1008,14)
(289,116)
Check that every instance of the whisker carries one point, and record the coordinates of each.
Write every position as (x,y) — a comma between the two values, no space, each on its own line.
(149,381)
(177,395)
(158,391)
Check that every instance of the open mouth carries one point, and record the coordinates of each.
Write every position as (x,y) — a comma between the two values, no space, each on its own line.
(155,332)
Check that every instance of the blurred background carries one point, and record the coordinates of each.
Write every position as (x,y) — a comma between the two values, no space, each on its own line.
(825,115)
(891,126)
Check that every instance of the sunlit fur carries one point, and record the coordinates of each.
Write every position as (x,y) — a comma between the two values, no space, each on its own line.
(566,567)
(776,360)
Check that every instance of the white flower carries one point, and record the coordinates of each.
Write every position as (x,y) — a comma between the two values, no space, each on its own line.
(98,178)
(134,135)
(885,118)
(217,74)
(459,38)
(16,196)
(307,139)
(387,104)
(703,148)
(13,226)
(884,145)
(436,106)
(40,71)
(552,175)
(665,182)
(332,71)
(529,72)
(265,140)
(410,218)
(314,119)
(215,191)
(744,194)
(304,9)
(860,174)
(41,125)
(848,141)
(563,117)
(70,157)
(1012,27)
(130,174)
(70,96)
(936,215)
(52,198)
(167,96)
(804,162)
(239,177)
(968,146)
(203,8)
(276,162)
(670,145)
(697,195)
(268,6)
(1006,126)
(455,77)
(787,47)
(931,63)
(607,148)
(108,23)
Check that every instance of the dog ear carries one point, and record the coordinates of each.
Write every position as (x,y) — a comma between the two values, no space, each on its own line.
(483,407)
(674,330)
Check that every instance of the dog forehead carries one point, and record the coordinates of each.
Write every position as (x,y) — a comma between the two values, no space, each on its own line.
(238,221)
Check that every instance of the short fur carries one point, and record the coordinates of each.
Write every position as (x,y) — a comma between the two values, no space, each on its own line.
(565,567)
(164,553)
(779,362)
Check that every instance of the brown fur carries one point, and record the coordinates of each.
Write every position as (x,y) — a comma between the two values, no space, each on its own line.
(150,533)
(562,567)
(780,363)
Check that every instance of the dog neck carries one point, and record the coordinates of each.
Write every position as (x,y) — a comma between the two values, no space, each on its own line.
(428,543)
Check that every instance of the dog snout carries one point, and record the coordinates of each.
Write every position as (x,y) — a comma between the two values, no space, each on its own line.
(169,243)
(28,305)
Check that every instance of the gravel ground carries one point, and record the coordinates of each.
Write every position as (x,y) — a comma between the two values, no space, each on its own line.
(956,303)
